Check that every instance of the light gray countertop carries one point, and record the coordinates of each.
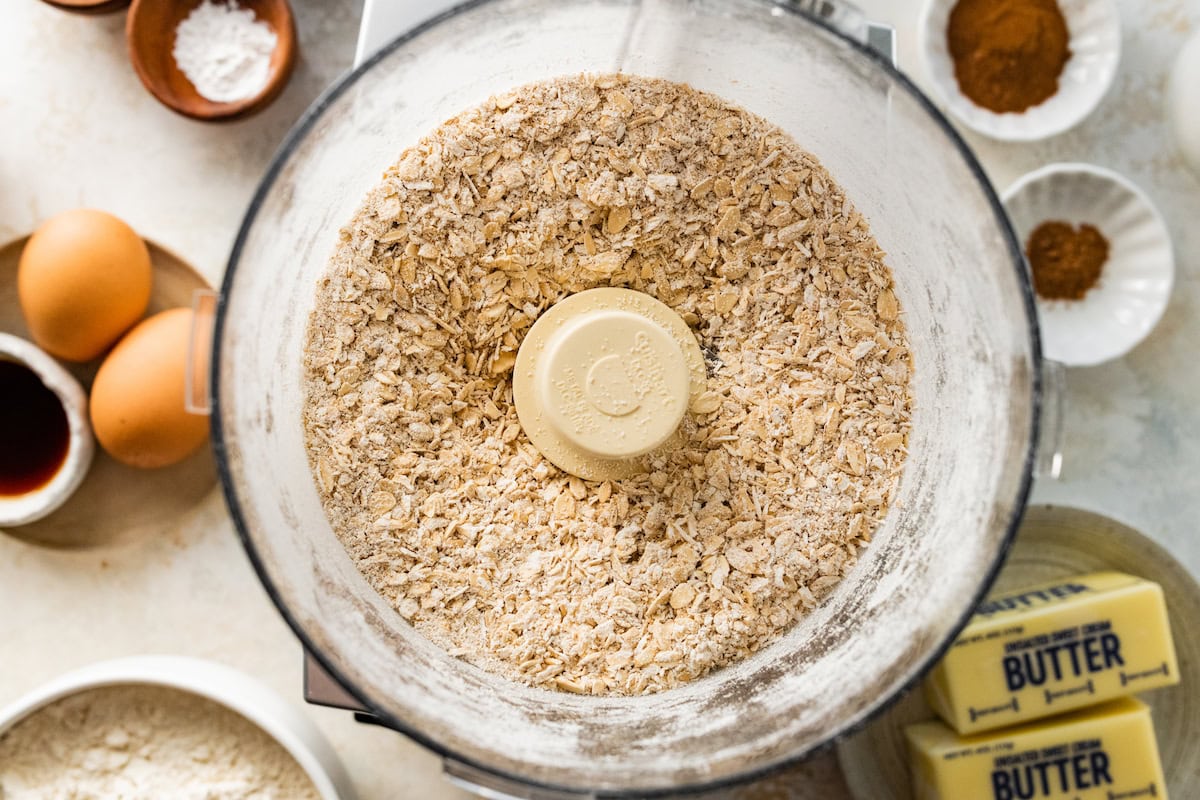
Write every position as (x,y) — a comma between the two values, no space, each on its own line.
(78,129)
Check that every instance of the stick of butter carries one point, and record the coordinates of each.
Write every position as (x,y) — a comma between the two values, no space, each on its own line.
(1052,648)
(1099,753)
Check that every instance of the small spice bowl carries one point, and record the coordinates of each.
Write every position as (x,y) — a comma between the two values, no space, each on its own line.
(1094,27)
(60,469)
(150,34)
(248,697)
(1135,281)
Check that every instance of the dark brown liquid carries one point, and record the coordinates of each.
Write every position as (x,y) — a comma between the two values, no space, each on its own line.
(34,431)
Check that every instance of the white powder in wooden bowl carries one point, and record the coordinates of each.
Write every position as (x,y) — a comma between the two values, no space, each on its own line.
(141,742)
(787,463)
(224,50)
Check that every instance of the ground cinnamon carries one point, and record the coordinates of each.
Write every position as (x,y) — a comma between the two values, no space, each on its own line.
(1008,54)
(1065,262)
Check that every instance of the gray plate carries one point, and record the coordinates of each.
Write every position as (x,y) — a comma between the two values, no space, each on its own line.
(116,504)
(1056,542)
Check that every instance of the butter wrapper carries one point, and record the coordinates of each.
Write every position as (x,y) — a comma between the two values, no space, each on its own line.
(1052,648)
(1100,753)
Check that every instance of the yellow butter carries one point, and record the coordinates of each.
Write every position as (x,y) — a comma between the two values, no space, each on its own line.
(1052,648)
(1100,753)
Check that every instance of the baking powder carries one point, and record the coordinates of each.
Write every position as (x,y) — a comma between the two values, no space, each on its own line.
(224,51)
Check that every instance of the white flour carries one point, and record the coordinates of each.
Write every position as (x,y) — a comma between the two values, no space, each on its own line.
(145,743)
(224,51)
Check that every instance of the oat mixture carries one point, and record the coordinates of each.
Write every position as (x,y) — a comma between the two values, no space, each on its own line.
(789,461)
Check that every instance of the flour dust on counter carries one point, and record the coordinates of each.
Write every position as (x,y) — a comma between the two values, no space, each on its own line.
(781,469)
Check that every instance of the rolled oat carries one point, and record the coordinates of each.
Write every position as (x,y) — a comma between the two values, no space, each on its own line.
(788,462)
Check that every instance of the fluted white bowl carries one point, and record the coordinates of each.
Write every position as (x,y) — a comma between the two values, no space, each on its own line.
(1135,283)
(1095,30)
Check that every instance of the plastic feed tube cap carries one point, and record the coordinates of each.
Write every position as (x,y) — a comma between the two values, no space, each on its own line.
(603,377)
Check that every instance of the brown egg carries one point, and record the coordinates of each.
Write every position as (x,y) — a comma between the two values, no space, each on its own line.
(83,279)
(137,401)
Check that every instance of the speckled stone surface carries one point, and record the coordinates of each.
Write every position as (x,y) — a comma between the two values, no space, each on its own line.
(77,128)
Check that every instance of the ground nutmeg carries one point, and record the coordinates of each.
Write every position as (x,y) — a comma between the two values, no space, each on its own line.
(1008,54)
(1065,262)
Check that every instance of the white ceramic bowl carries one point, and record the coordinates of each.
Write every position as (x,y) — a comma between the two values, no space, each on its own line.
(1183,101)
(1135,283)
(224,685)
(34,505)
(1095,30)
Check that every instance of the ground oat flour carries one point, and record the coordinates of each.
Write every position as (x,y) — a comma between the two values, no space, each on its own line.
(145,743)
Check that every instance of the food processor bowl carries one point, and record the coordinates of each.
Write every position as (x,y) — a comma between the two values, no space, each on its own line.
(966,302)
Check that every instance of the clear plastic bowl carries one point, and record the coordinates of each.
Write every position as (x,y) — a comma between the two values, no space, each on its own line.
(966,301)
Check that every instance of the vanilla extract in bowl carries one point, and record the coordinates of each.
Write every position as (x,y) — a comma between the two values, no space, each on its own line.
(34,431)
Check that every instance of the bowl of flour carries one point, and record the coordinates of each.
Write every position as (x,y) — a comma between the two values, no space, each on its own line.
(212,60)
(163,726)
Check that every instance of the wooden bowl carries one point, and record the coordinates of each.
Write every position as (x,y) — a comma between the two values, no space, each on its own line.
(150,34)
(88,6)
